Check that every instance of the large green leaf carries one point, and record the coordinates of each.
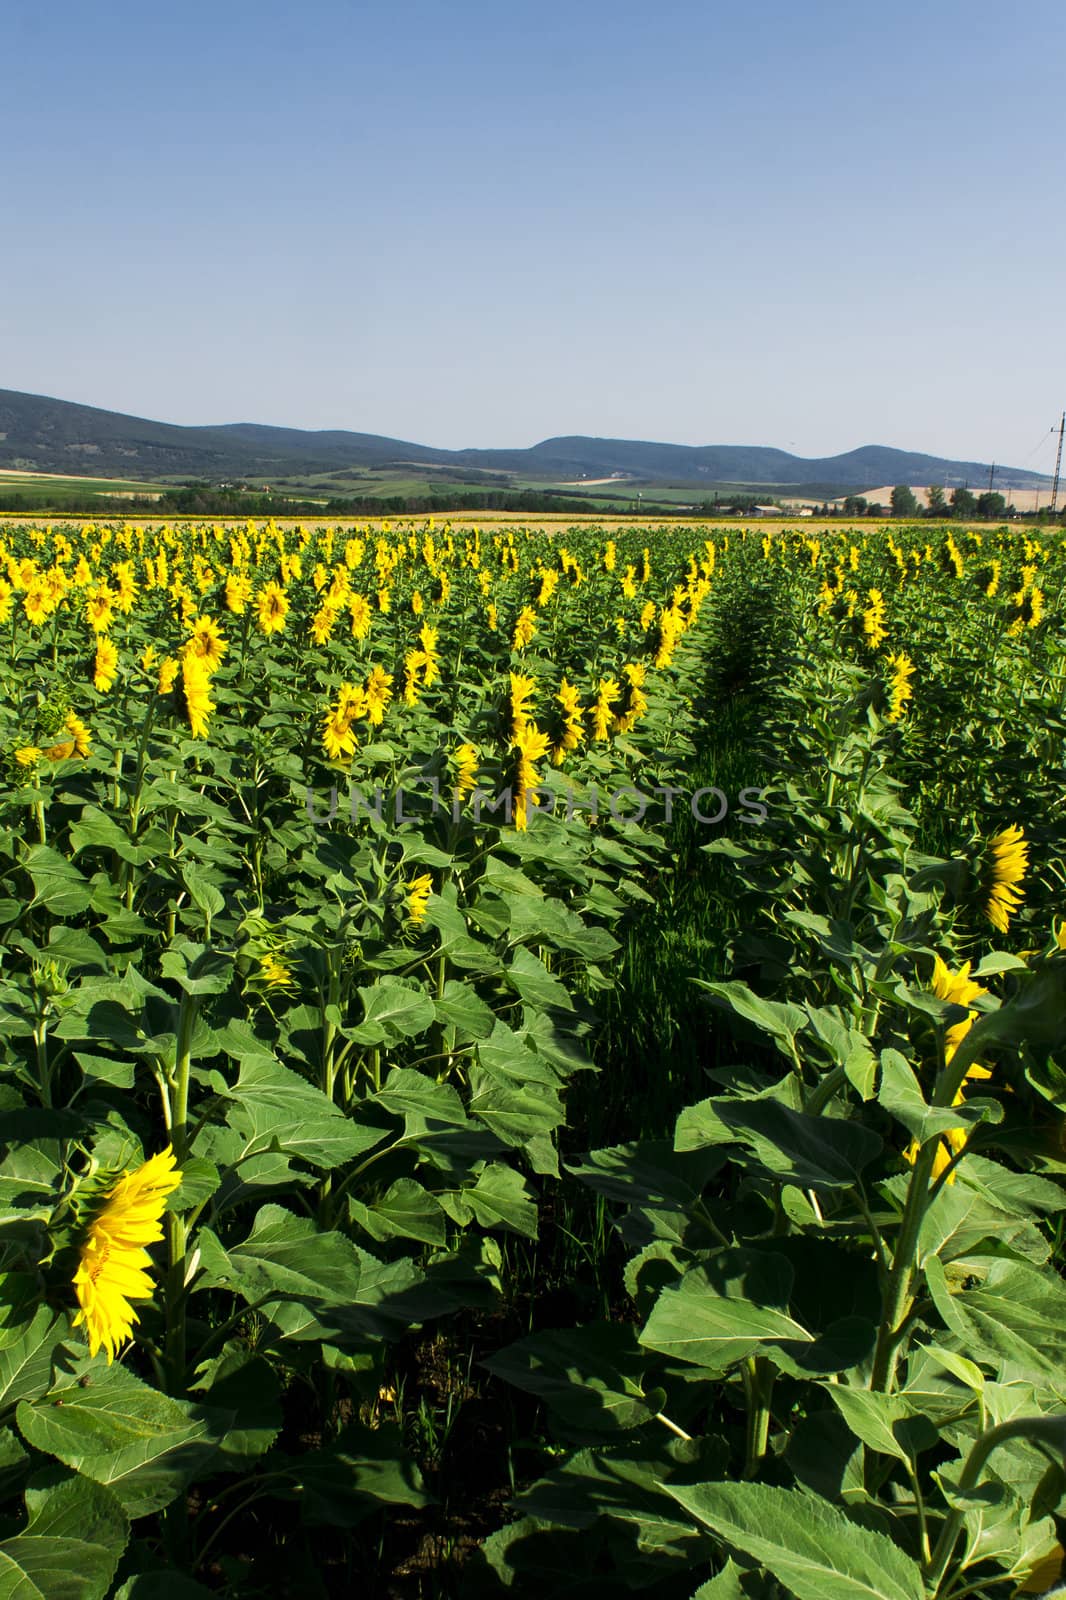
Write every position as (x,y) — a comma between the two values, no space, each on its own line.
(315,1285)
(721,1312)
(70,1546)
(459,1007)
(805,1543)
(782,1021)
(872,1417)
(360,1471)
(57,883)
(812,1152)
(275,1109)
(26,1350)
(246,1385)
(591,1377)
(405,1211)
(535,985)
(1015,1315)
(501,1198)
(407,1092)
(515,1115)
(901,1095)
(109,1426)
(393,1010)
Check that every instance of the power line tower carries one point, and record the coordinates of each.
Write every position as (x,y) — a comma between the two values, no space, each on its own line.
(1058,465)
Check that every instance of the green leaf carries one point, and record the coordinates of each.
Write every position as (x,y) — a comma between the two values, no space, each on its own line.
(1017,1193)
(847,1048)
(163,1584)
(142,1444)
(459,1007)
(335,1288)
(509,1056)
(283,1255)
(805,1543)
(649,1173)
(591,1377)
(199,1181)
(95,827)
(901,1095)
(405,1211)
(782,1021)
(515,1115)
(723,1311)
(501,1198)
(608,1483)
(1016,1315)
(393,1011)
(726,1586)
(812,1152)
(14,1463)
(196,969)
(206,895)
(361,1470)
(871,1416)
(531,979)
(75,947)
(26,1351)
(246,1385)
(276,1109)
(69,1548)
(408,1092)
(57,883)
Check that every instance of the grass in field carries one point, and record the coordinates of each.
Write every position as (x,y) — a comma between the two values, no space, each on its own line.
(49,488)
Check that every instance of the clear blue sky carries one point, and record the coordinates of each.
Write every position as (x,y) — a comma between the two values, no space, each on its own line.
(806,223)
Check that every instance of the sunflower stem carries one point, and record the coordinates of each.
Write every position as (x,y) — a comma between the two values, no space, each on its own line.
(176,1233)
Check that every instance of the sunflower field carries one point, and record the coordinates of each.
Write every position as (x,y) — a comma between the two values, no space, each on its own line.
(532,1061)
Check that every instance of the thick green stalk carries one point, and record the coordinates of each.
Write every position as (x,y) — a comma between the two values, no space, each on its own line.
(176,1234)
(758,1377)
(898,1295)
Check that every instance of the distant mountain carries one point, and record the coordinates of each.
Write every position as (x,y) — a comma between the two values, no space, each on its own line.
(46,435)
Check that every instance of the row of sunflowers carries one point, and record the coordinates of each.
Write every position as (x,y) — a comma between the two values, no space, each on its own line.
(321,846)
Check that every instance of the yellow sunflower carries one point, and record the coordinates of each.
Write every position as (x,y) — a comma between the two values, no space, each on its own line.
(196,682)
(274,974)
(105,666)
(960,989)
(272,607)
(168,672)
(114,1258)
(378,693)
(1008,862)
(206,643)
(466,763)
(899,689)
(532,746)
(417,893)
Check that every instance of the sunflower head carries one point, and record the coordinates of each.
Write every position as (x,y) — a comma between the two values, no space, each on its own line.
(1006,863)
(113,1262)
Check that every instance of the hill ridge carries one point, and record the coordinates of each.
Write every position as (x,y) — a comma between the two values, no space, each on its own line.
(41,433)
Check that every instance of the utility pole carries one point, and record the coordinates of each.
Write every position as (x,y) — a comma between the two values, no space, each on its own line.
(1058,465)
(991,475)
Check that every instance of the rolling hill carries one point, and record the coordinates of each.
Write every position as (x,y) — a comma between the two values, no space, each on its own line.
(41,434)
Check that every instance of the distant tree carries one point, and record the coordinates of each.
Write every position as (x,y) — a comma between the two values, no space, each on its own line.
(903,502)
(991,504)
(963,503)
(937,500)
(855,506)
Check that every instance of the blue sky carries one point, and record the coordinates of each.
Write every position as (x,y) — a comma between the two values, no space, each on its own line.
(808,224)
